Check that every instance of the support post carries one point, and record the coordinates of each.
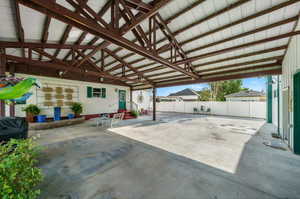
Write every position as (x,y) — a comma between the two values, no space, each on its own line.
(154,103)
(130,98)
(12,110)
(2,73)
(269,100)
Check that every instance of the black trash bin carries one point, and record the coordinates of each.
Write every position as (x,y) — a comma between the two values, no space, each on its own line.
(13,127)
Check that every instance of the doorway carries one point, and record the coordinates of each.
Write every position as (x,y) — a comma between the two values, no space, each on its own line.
(297,113)
(285,116)
(122,100)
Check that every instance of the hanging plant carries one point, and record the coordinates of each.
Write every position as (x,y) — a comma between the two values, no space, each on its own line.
(140,98)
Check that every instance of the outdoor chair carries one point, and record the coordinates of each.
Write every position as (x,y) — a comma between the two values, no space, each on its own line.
(196,110)
(102,119)
(208,111)
(110,121)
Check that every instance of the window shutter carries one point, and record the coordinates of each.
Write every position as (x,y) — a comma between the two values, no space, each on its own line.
(103,92)
(89,92)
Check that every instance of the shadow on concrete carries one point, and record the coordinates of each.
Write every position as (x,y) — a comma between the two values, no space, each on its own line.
(111,166)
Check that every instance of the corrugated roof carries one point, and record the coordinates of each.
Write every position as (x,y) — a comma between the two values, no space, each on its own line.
(217,36)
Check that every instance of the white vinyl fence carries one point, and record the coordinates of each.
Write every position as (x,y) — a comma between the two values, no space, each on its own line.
(240,109)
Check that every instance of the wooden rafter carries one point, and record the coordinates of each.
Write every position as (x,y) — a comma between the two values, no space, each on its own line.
(8,44)
(262,41)
(260,52)
(18,23)
(240,21)
(179,68)
(128,27)
(69,17)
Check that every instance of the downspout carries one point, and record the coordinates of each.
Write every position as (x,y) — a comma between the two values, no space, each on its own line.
(278,107)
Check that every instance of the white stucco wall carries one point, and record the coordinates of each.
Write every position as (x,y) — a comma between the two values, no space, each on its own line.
(109,104)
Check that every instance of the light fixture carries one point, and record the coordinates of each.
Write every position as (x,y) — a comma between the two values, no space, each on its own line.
(60,73)
(101,79)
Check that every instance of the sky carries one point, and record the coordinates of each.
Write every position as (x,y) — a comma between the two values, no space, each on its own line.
(257,84)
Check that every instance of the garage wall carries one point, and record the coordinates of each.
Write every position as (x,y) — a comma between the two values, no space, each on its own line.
(240,109)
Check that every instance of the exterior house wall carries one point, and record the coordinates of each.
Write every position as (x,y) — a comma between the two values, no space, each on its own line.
(146,101)
(109,104)
(291,65)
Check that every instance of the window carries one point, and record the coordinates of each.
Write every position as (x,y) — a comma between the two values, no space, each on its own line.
(96,92)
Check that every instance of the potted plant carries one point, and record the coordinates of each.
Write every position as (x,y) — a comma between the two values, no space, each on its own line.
(31,111)
(76,107)
(135,113)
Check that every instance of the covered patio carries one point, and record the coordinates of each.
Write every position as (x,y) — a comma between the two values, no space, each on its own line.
(138,45)
(98,53)
(177,156)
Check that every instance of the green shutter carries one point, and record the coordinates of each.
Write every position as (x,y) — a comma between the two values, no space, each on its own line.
(89,92)
(103,92)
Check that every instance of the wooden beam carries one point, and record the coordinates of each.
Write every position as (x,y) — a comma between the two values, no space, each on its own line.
(18,23)
(2,73)
(141,4)
(246,45)
(228,66)
(221,78)
(139,19)
(263,28)
(45,32)
(240,21)
(275,58)
(41,70)
(69,17)
(83,35)
(170,19)
(154,103)
(157,68)
(59,65)
(261,13)
(8,44)
(127,27)
(289,20)
(228,72)
(128,65)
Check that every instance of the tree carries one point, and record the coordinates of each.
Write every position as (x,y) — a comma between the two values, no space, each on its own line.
(205,94)
(219,90)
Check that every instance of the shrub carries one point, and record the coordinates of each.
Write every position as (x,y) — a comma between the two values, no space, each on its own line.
(76,108)
(32,109)
(134,113)
(19,176)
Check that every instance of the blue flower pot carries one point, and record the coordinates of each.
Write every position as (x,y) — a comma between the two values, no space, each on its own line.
(41,118)
(71,116)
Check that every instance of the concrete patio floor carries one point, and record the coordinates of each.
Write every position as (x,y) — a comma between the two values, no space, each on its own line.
(180,156)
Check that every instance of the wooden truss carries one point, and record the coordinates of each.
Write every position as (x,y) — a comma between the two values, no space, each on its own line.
(130,16)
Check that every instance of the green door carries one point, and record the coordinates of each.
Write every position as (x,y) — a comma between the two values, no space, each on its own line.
(297,113)
(122,100)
